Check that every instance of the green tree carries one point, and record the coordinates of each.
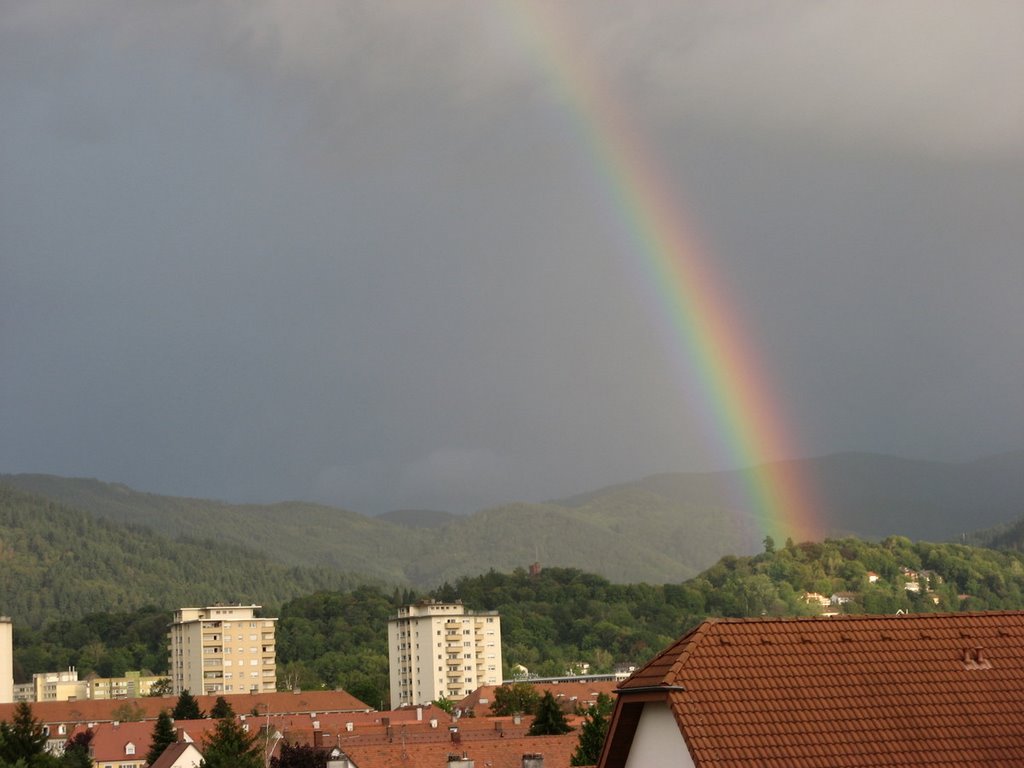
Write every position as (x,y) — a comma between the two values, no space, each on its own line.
(230,746)
(593,731)
(128,712)
(299,756)
(221,709)
(23,738)
(444,704)
(549,720)
(187,707)
(76,751)
(519,698)
(163,736)
(161,687)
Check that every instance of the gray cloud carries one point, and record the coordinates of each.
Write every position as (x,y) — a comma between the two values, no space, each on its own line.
(361,253)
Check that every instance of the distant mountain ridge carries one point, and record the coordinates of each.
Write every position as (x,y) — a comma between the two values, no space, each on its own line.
(872,495)
(663,528)
(60,562)
(419,518)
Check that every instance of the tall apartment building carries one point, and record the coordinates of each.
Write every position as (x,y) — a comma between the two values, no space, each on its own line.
(441,649)
(222,649)
(6,660)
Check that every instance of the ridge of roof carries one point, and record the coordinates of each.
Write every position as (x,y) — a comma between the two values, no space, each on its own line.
(661,670)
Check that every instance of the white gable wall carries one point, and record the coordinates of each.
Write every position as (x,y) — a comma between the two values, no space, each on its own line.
(658,742)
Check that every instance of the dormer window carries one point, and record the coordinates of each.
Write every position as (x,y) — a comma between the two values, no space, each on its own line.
(129,748)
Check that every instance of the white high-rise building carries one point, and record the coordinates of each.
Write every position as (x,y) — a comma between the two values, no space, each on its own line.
(441,649)
(222,649)
(6,660)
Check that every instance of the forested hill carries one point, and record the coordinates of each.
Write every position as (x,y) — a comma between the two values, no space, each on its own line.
(643,538)
(57,561)
(868,495)
(560,617)
(661,529)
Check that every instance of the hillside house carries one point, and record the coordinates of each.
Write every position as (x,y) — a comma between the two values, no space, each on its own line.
(843,598)
(815,598)
(856,691)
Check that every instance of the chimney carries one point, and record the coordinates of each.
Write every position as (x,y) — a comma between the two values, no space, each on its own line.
(533,760)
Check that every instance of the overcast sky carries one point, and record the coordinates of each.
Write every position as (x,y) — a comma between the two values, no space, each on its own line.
(361,252)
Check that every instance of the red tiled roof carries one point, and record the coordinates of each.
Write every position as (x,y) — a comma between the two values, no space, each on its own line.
(108,742)
(499,753)
(585,694)
(857,691)
(411,743)
(172,753)
(278,703)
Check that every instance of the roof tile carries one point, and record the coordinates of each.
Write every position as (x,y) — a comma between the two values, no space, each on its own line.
(858,691)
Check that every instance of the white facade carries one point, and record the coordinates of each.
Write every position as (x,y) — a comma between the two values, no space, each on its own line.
(6,660)
(222,649)
(441,649)
(658,742)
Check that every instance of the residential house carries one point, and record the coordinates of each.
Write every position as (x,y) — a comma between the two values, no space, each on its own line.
(120,745)
(62,717)
(856,691)
(571,696)
(843,598)
(179,755)
(816,598)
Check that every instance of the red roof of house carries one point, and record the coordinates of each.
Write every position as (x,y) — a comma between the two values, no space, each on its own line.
(104,710)
(856,691)
(109,741)
(499,753)
(172,753)
(387,742)
(568,694)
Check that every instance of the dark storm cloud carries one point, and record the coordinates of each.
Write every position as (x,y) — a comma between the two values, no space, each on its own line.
(360,253)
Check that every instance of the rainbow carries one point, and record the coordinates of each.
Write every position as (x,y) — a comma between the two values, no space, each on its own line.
(734,393)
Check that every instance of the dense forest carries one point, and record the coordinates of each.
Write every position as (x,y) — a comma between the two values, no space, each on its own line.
(61,563)
(661,529)
(562,616)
